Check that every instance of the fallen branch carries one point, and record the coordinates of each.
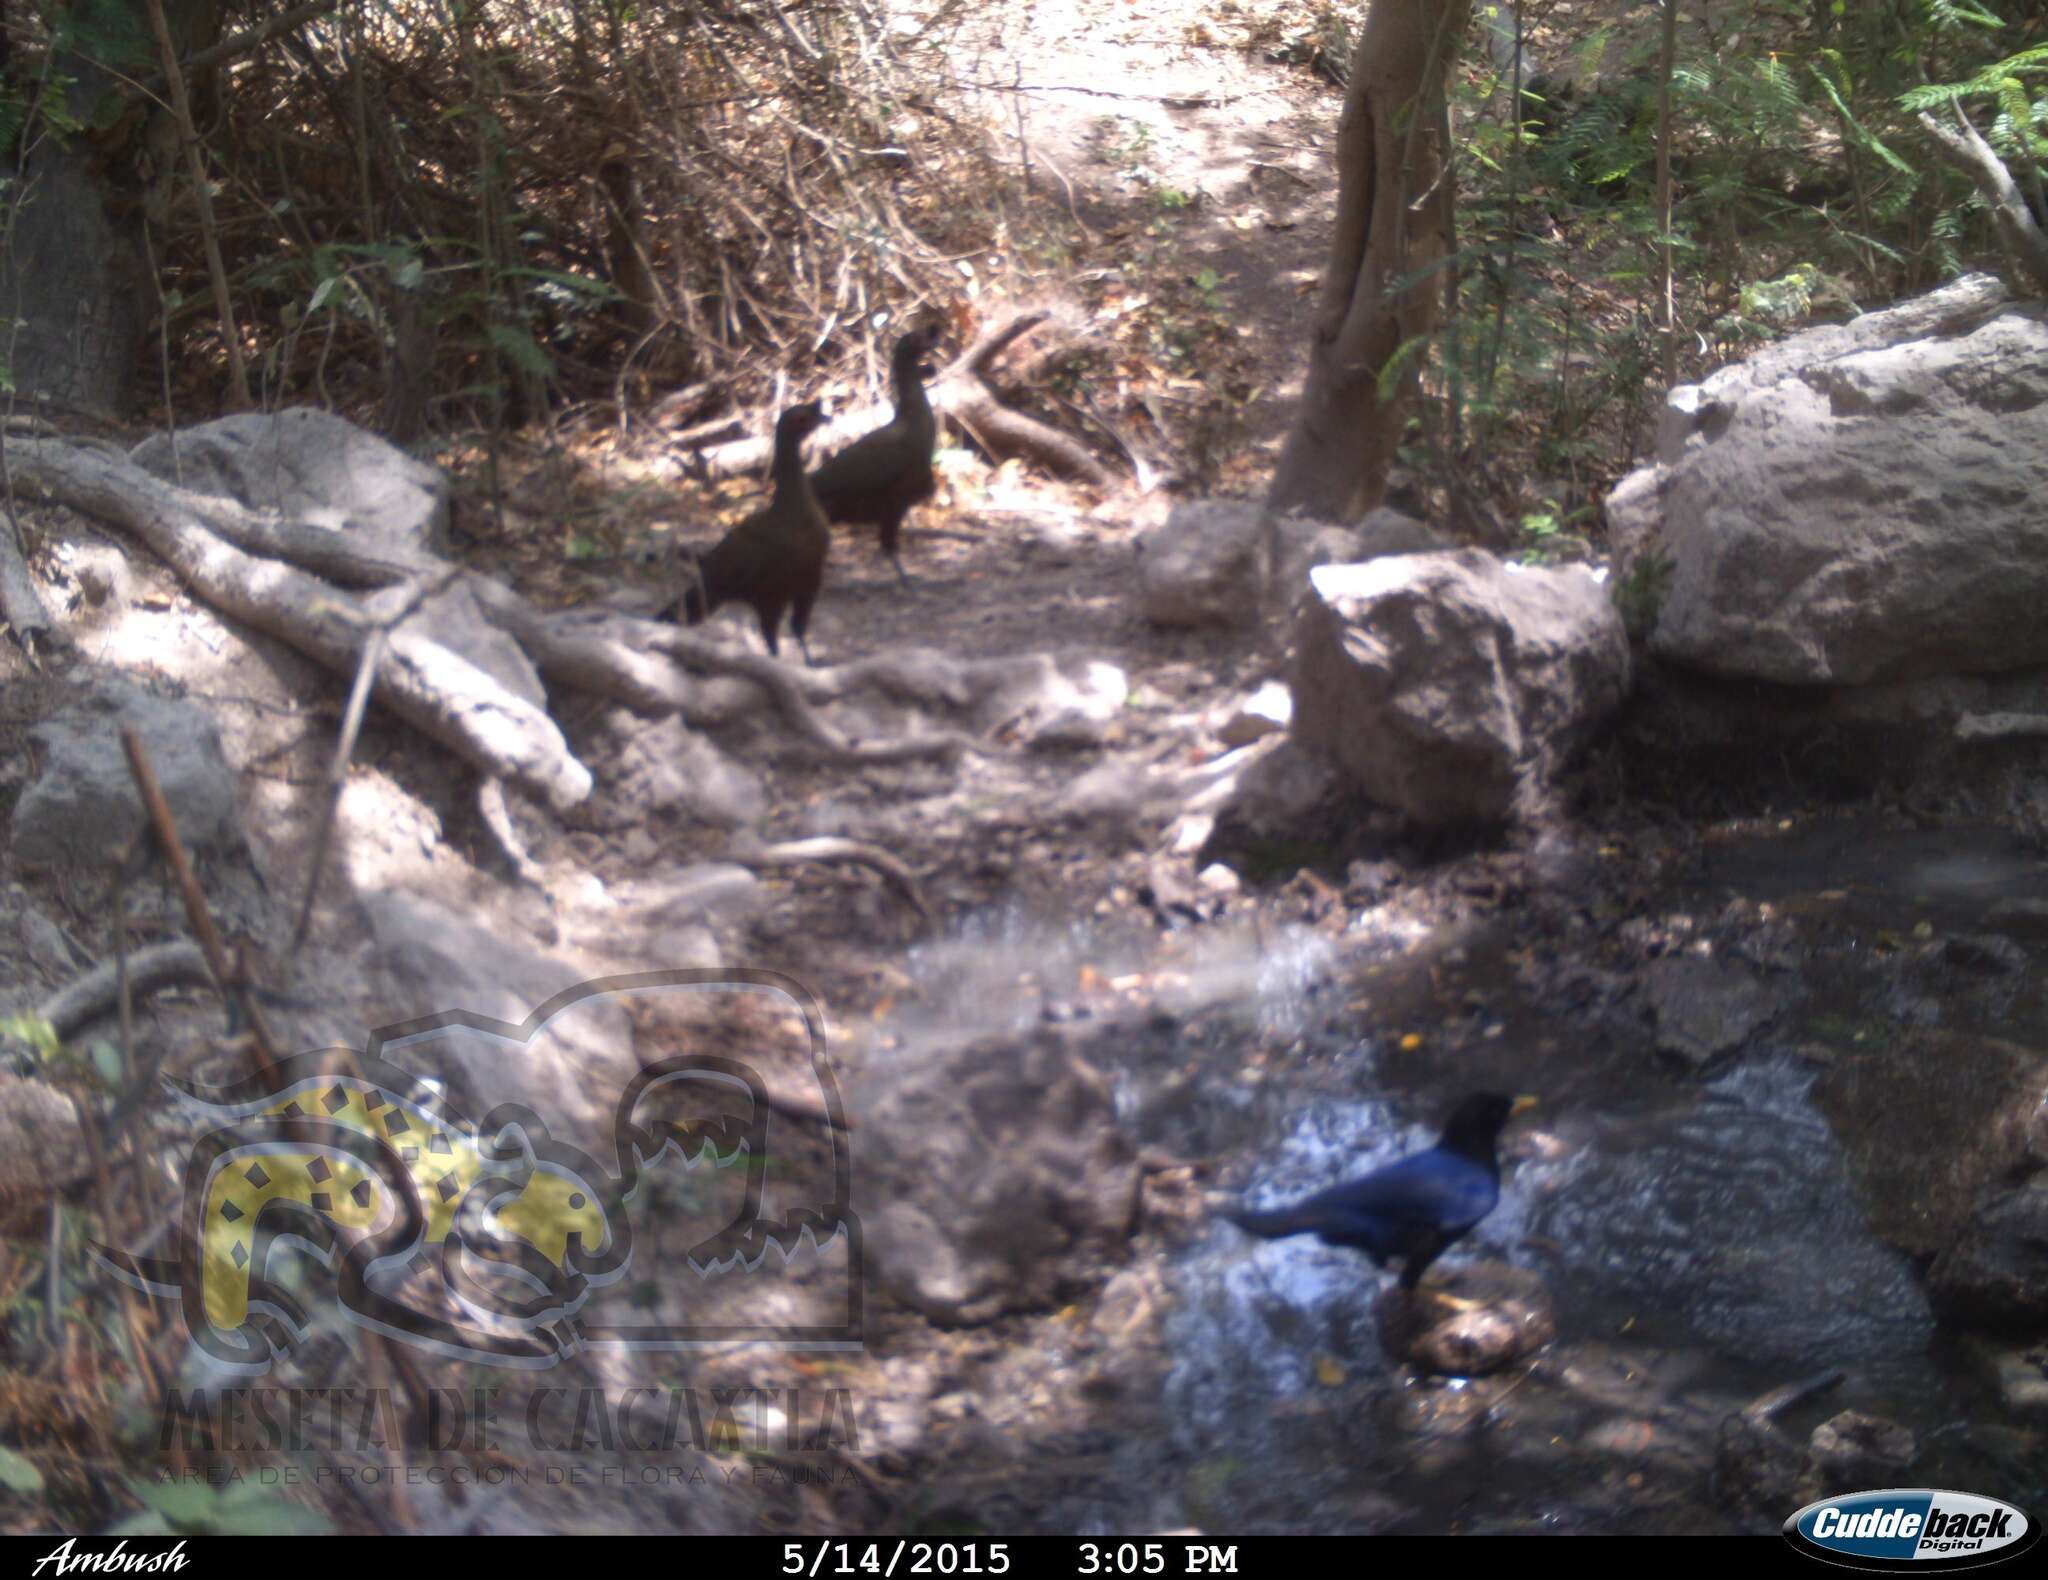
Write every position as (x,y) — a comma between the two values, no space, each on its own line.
(497,816)
(802,852)
(93,996)
(962,394)
(164,828)
(20,605)
(345,744)
(2000,726)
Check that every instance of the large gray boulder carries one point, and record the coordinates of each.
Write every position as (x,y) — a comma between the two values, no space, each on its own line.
(1933,1122)
(83,807)
(315,469)
(1451,687)
(430,963)
(1857,505)
(1008,1183)
(1995,1274)
(1203,565)
(309,466)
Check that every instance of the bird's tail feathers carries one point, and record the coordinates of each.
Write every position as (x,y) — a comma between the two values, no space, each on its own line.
(1273,1225)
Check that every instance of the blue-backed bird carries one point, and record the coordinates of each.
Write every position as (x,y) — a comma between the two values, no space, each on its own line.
(1415,1209)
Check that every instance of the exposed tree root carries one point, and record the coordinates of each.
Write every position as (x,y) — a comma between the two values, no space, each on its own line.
(93,996)
(397,630)
(435,690)
(20,606)
(497,816)
(787,686)
(801,852)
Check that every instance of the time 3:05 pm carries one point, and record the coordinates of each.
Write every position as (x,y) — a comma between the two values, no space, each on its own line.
(1154,1558)
(815,1560)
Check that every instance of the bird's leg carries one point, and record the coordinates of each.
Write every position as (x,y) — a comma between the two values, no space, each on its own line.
(902,575)
(1419,1258)
(1457,1305)
(803,642)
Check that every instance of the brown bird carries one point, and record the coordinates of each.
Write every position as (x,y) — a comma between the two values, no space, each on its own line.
(775,559)
(876,479)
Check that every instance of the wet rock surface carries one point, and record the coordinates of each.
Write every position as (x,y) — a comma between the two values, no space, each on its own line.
(1706,1009)
(1994,1274)
(1934,1121)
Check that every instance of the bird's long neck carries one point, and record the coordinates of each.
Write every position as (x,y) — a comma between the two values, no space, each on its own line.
(1482,1148)
(1482,1152)
(912,405)
(786,471)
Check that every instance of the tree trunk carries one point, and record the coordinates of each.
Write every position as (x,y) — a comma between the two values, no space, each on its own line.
(1384,283)
(74,277)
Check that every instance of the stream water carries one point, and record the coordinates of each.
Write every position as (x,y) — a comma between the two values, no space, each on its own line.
(1699,1233)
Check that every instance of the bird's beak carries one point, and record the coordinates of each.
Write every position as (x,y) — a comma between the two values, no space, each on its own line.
(1521,1106)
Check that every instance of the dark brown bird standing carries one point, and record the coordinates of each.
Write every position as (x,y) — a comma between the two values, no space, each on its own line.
(876,479)
(775,559)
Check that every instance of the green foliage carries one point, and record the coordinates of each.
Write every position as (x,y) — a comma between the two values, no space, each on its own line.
(1640,593)
(98,1063)
(242,1508)
(1802,188)
(19,1475)
(2017,88)
(35,1031)
(1548,536)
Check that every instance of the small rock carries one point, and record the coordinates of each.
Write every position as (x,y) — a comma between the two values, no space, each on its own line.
(1022,1185)
(101,573)
(1705,1008)
(83,807)
(664,766)
(1513,1317)
(705,891)
(47,947)
(1451,687)
(679,949)
(1852,1451)
(1200,567)
(1265,712)
(2019,1373)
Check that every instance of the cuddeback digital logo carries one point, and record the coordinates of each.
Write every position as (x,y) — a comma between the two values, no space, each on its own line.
(491,1241)
(1911,1528)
